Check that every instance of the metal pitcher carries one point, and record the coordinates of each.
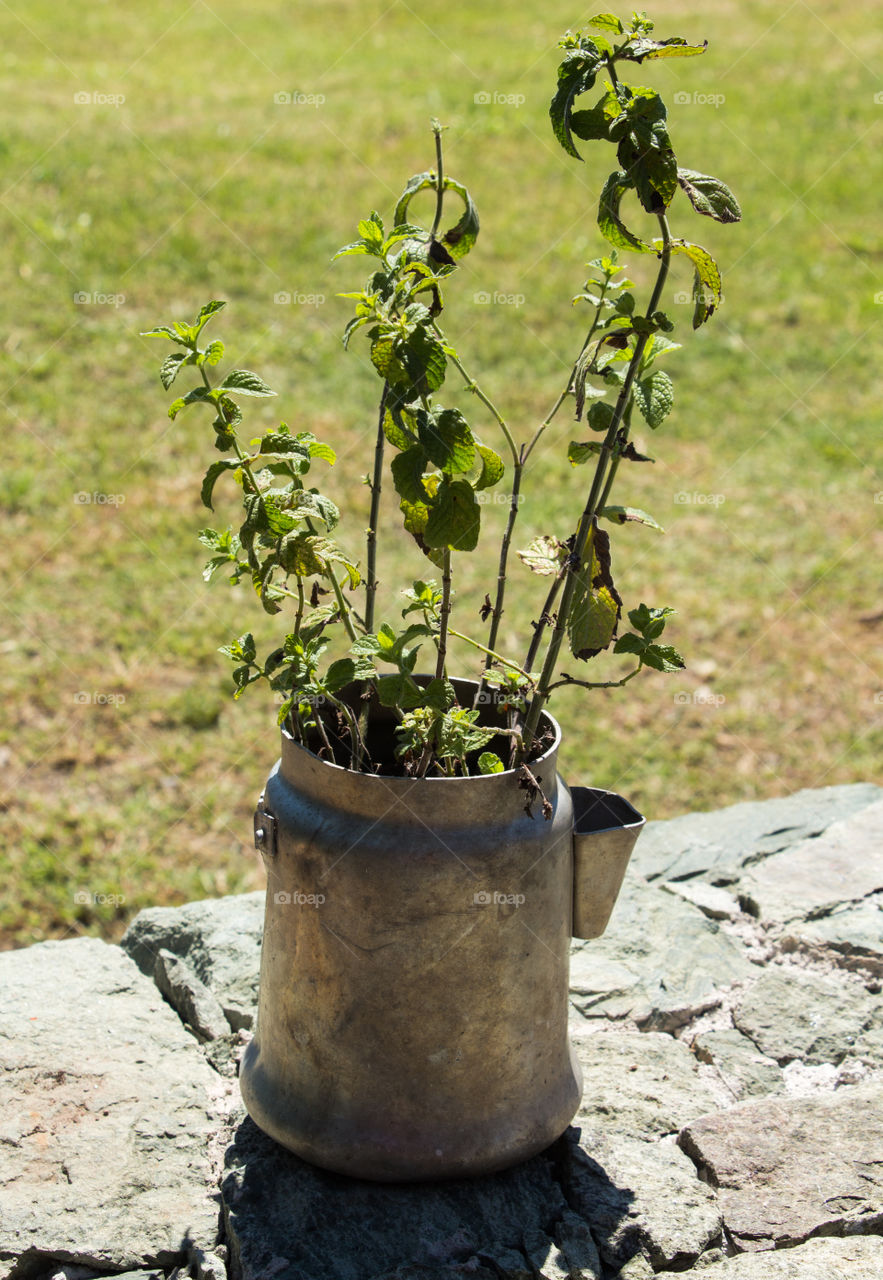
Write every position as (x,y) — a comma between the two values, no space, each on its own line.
(412,1020)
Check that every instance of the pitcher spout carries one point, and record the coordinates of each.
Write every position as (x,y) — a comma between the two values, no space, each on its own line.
(605,828)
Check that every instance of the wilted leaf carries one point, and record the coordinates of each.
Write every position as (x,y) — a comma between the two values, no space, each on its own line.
(710,196)
(545,555)
(596,606)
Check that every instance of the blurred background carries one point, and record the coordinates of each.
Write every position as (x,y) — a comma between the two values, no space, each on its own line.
(155,158)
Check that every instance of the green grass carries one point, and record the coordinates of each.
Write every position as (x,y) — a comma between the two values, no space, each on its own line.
(199,185)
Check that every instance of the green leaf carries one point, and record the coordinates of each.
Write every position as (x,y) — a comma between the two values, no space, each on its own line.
(607,22)
(246,383)
(407,475)
(490,763)
(205,314)
(164,331)
(398,436)
(710,196)
(593,124)
(645,152)
(650,622)
(323,451)
(440,695)
(579,452)
(596,606)
(600,415)
(492,467)
(340,673)
(171,366)
(544,556)
(460,238)
(674,47)
(654,396)
(196,396)
(612,227)
(300,554)
(630,643)
(706,282)
(216,469)
(576,75)
(623,515)
(454,518)
(662,657)
(214,352)
(398,690)
(447,440)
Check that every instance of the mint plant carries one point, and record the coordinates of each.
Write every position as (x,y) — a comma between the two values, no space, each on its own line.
(439,466)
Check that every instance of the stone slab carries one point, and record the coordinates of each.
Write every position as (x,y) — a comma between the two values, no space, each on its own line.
(660,963)
(642,1200)
(107,1113)
(286,1219)
(791,1014)
(716,845)
(788,1169)
(643,1084)
(220,938)
(189,997)
(743,1068)
(855,1258)
(850,935)
(843,865)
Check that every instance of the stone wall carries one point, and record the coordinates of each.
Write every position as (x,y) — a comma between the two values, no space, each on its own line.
(731,1036)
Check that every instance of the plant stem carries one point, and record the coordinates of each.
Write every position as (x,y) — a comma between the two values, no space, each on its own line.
(373,518)
(543,620)
(440,179)
(587,520)
(444,616)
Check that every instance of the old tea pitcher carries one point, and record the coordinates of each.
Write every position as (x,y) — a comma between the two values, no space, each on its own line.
(412,1021)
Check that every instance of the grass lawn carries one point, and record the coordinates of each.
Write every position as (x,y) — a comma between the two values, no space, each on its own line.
(147,164)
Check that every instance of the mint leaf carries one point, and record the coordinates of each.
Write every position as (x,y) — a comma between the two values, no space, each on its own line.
(215,470)
(662,657)
(544,556)
(706,282)
(454,518)
(492,467)
(407,475)
(459,239)
(171,365)
(654,397)
(624,515)
(447,439)
(246,383)
(576,75)
(490,763)
(710,196)
(596,606)
(674,47)
(613,229)
(579,452)
(607,22)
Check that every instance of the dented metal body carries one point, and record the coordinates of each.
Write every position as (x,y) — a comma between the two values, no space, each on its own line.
(412,1021)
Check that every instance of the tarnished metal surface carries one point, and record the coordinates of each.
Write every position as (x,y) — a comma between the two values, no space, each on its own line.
(412,1020)
(605,828)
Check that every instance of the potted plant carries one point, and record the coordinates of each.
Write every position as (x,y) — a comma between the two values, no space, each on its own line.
(419,845)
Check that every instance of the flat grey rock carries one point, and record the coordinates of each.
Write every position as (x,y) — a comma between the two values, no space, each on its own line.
(286,1219)
(855,1258)
(645,1085)
(716,845)
(792,1015)
(713,902)
(660,963)
(814,878)
(851,935)
(642,1200)
(788,1169)
(220,938)
(107,1113)
(743,1068)
(190,998)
